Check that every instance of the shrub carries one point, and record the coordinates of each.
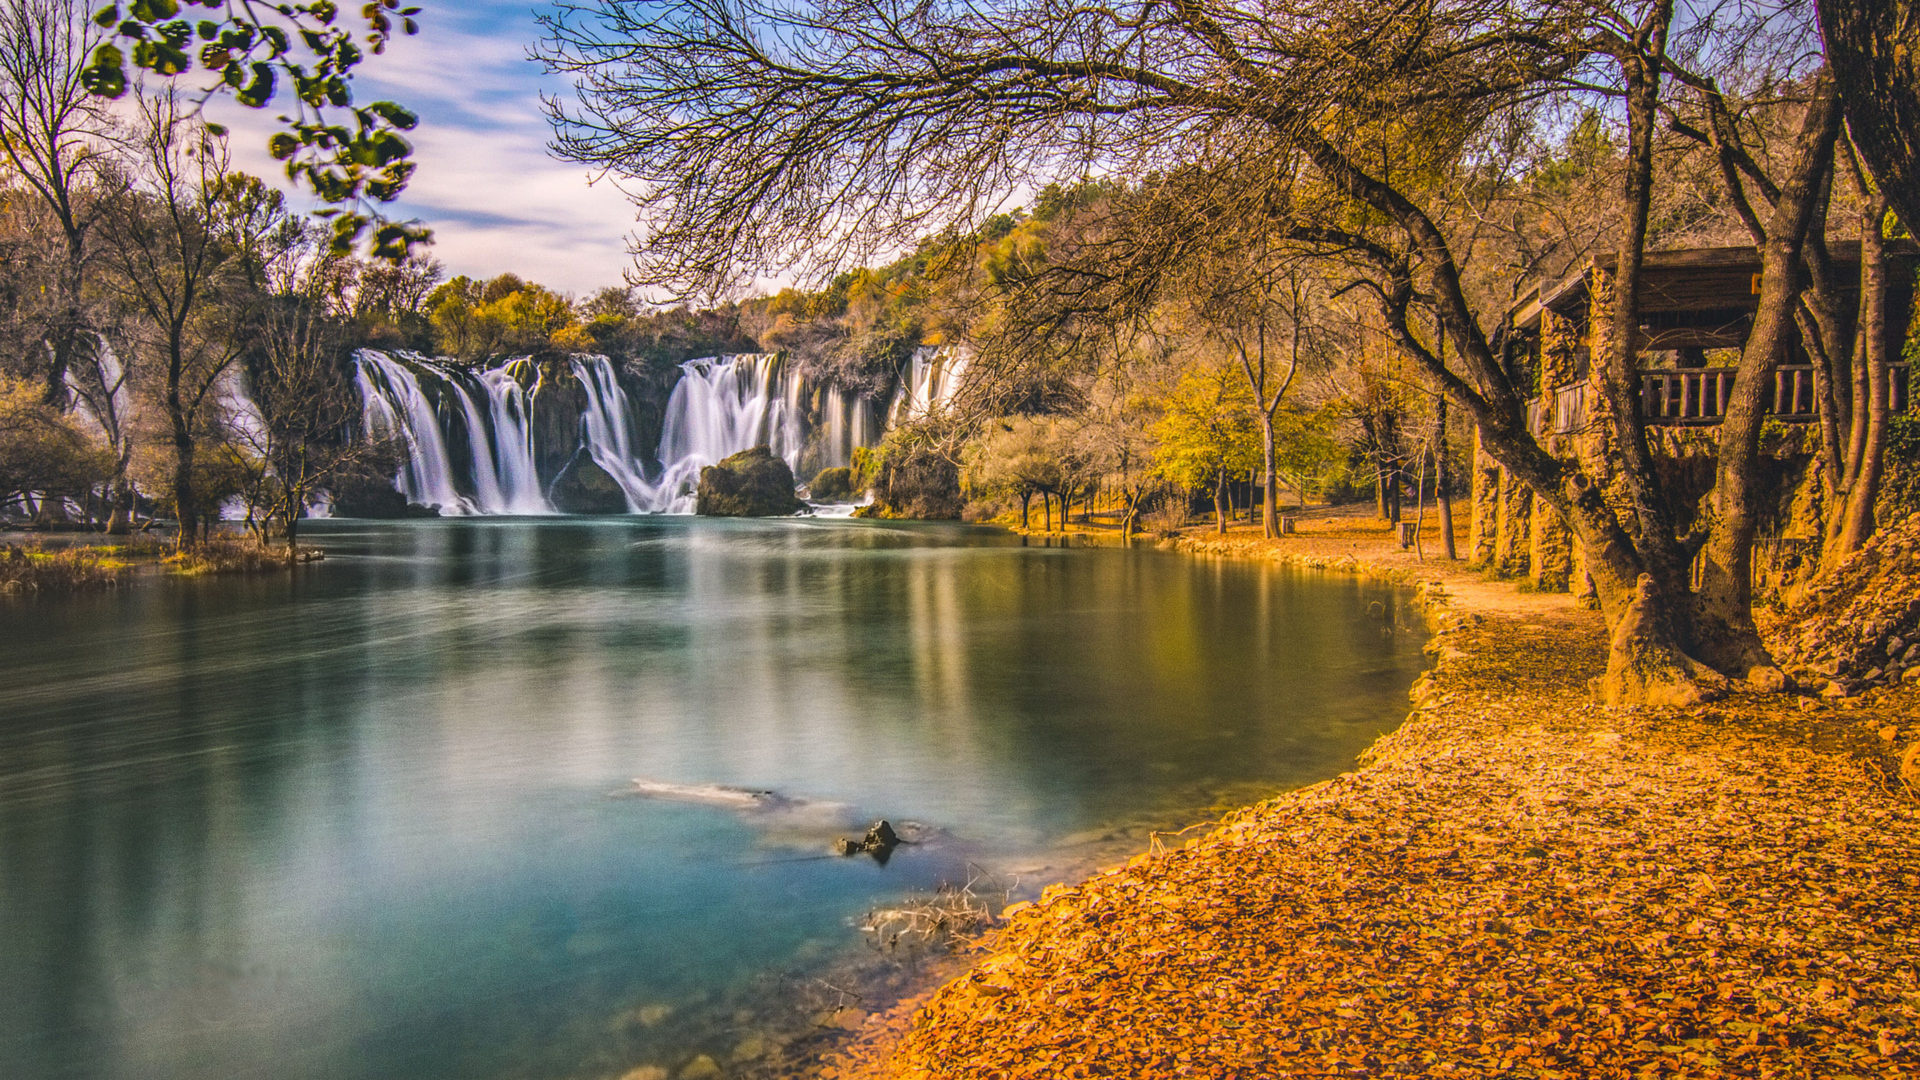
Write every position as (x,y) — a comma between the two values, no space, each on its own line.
(67,570)
(227,555)
(834,485)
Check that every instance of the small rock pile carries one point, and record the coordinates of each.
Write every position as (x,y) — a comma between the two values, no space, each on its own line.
(1861,627)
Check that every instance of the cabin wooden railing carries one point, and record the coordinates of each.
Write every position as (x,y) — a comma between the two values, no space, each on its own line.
(1698,396)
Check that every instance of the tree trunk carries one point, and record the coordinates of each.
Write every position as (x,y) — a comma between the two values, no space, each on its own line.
(71,320)
(1046,506)
(1269,498)
(185,508)
(120,508)
(1874,47)
(1442,478)
(1723,612)
(1220,502)
(1857,516)
(1652,523)
(1026,505)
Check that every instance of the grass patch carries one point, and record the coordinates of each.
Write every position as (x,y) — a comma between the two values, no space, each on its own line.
(224,555)
(79,569)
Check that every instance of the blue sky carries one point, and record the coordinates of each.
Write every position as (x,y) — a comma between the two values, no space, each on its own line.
(495,198)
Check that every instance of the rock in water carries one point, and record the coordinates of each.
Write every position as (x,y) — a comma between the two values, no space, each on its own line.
(583,487)
(879,842)
(832,485)
(751,483)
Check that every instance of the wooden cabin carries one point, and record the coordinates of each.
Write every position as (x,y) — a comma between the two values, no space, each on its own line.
(1696,310)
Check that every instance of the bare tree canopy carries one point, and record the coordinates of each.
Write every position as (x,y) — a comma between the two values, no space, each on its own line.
(766,136)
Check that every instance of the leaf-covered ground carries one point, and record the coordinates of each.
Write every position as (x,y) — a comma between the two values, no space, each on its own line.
(1517,884)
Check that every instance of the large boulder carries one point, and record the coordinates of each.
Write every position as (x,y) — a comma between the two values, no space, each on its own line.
(832,485)
(751,483)
(364,496)
(583,487)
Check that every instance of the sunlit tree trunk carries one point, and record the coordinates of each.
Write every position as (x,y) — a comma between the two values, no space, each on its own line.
(1855,517)
(1442,478)
(1724,629)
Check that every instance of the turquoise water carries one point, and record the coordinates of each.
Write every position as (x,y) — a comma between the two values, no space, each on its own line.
(364,822)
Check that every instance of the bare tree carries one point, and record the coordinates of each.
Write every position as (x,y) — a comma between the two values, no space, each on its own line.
(168,260)
(1849,348)
(51,133)
(301,378)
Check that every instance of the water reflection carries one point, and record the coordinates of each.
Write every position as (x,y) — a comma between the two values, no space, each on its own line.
(357,823)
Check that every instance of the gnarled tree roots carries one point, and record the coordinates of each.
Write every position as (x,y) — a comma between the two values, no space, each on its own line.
(1646,667)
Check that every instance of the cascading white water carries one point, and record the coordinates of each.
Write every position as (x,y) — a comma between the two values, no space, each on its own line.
(608,437)
(499,450)
(850,425)
(932,379)
(721,406)
(516,475)
(396,406)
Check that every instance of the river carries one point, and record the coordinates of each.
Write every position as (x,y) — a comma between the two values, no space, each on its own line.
(366,821)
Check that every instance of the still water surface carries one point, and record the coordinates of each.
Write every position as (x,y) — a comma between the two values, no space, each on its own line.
(361,823)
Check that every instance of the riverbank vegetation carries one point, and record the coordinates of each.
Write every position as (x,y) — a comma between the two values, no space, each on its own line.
(34,570)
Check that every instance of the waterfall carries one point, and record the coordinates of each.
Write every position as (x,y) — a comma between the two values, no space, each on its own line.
(929,384)
(608,433)
(493,409)
(469,435)
(509,408)
(849,426)
(723,405)
(397,407)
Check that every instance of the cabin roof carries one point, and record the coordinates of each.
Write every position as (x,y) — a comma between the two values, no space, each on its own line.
(1709,286)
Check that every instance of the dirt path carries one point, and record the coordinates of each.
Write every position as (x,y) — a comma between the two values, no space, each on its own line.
(1516,884)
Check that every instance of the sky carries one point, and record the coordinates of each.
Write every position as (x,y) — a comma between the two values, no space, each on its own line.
(495,198)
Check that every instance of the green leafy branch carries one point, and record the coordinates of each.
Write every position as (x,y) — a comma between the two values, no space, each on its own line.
(350,155)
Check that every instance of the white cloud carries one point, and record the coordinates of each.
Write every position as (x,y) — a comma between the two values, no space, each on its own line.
(496,200)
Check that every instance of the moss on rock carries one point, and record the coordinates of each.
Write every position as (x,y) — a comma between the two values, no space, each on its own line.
(834,485)
(751,483)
